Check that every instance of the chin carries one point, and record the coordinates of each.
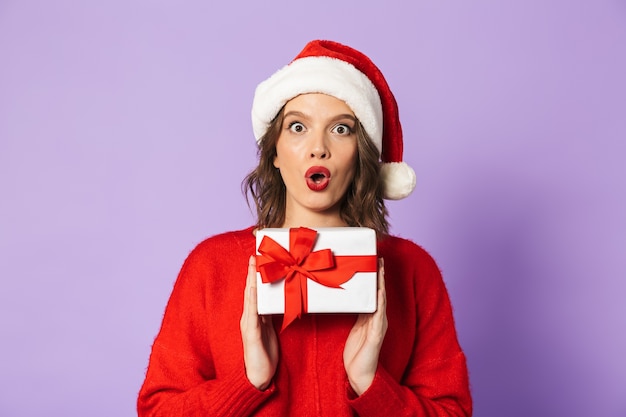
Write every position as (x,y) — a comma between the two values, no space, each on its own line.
(330,208)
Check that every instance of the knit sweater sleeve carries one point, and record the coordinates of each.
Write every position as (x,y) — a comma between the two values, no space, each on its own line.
(435,382)
(182,379)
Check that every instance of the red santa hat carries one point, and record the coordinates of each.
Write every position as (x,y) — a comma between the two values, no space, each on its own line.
(337,70)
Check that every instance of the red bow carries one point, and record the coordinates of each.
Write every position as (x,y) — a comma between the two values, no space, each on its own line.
(299,263)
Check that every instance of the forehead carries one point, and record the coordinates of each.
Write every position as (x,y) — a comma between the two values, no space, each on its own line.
(318,104)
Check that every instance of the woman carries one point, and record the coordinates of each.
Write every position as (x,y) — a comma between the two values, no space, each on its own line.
(322,124)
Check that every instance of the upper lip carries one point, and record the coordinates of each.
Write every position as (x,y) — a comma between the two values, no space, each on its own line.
(317,170)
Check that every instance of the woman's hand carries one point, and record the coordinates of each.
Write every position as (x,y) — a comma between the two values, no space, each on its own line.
(360,356)
(260,345)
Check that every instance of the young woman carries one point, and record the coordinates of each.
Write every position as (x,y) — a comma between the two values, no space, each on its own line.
(330,147)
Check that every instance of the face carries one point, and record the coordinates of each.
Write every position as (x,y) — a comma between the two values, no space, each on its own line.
(316,154)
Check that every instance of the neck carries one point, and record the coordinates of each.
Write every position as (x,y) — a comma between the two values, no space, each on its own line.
(314,220)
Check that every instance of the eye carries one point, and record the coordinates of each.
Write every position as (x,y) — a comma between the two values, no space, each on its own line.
(296,127)
(342,129)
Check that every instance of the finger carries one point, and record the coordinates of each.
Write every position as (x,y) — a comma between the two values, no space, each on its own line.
(252,302)
(380,284)
(251,279)
(249,314)
(381,273)
(382,302)
(380,316)
(266,320)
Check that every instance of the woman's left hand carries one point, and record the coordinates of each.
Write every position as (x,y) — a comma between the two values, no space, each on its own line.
(360,356)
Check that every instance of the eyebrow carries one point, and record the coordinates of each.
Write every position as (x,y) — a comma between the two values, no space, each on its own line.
(295,113)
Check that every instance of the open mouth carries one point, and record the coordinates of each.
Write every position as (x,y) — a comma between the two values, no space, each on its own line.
(317,178)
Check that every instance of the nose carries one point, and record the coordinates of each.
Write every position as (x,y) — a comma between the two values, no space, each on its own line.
(319,147)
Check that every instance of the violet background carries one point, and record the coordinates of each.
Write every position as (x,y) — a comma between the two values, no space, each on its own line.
(125,133)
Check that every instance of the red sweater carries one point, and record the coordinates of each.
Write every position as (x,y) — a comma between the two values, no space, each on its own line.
(196,366)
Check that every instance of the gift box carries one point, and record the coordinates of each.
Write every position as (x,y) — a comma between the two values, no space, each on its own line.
(322,270)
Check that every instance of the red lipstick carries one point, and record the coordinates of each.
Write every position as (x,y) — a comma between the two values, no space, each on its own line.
(317,178)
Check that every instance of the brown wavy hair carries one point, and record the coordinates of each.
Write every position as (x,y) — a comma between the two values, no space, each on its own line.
(362,205)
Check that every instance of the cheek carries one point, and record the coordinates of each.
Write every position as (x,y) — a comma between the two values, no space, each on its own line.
(279,154)
(353,159)
(283,154)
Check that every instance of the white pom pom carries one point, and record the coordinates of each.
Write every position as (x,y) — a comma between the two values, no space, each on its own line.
(398,180)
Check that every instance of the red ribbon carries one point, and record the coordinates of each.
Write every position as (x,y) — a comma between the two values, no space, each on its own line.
(300,263)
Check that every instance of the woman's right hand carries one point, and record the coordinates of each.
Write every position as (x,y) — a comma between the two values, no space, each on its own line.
(260,344)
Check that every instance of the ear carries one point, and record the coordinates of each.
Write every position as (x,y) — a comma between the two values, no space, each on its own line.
(276,164)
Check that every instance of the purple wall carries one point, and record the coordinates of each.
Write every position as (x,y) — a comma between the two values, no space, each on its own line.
(125,133)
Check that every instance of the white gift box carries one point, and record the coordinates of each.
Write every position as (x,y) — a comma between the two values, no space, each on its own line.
(357,295)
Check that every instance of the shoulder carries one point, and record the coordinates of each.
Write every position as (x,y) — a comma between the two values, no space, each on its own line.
(227,242)
(216,258)
(409,262)
(400,248)
(223,246)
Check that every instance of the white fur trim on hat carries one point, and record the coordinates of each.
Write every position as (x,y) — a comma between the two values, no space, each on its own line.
(319,74)
(398,180)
